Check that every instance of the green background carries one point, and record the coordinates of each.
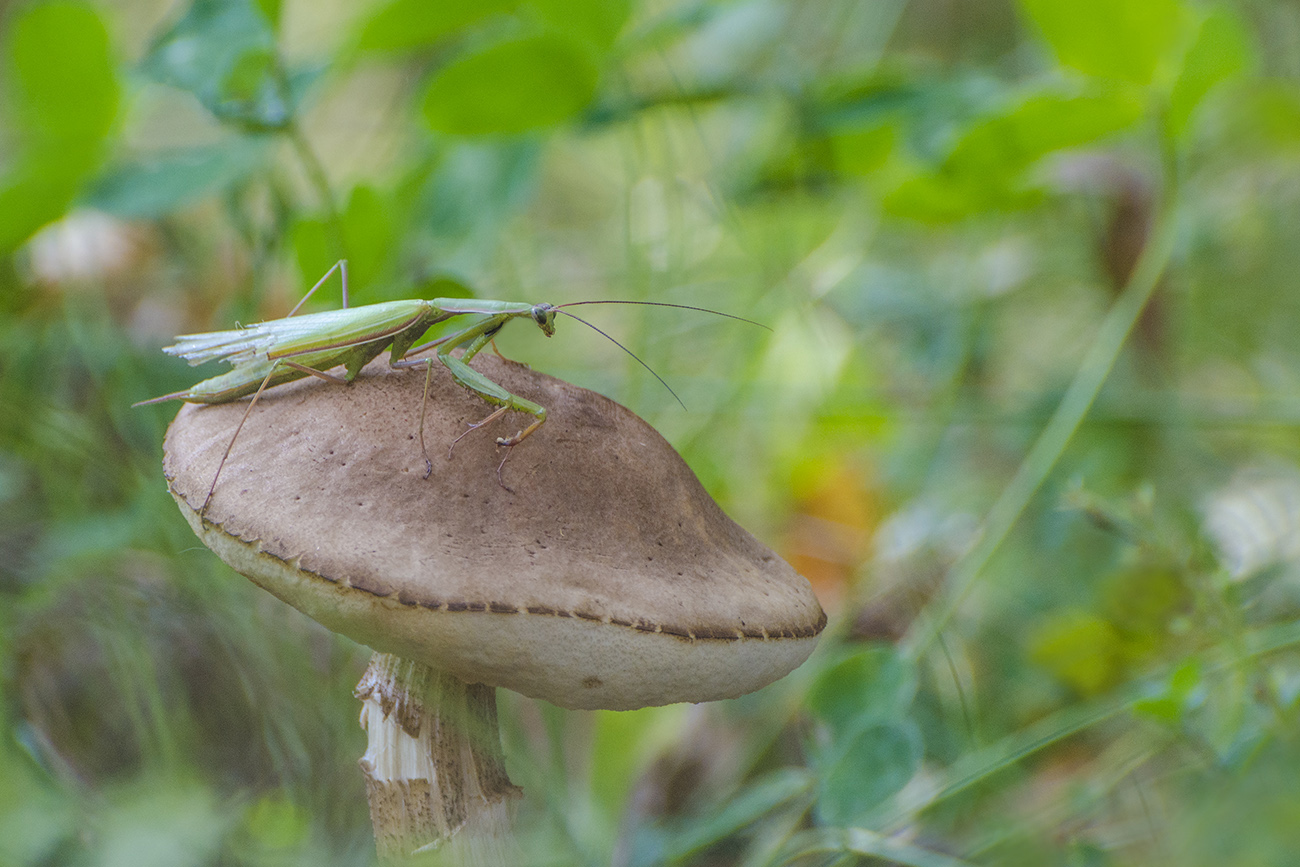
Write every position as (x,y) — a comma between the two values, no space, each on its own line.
(1026,416)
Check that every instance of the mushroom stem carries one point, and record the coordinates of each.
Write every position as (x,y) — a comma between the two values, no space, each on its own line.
(435,773)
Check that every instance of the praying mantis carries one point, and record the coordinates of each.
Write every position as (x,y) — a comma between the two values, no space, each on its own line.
(278,351)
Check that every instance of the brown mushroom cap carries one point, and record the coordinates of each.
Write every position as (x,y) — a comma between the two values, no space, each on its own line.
(605,577)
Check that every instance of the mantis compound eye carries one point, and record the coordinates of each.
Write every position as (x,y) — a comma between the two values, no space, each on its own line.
(544,316)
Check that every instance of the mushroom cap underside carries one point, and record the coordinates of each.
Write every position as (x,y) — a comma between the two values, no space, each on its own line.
(603,576)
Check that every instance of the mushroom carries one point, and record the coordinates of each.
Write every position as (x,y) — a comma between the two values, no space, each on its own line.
(603,576)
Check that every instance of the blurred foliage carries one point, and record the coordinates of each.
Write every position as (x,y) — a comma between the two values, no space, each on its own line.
(1026,416)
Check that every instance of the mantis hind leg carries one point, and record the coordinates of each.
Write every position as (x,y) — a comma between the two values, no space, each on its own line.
(319,374)
(424,406)
(247,412)
(230,445)
(340,266)
(496,414)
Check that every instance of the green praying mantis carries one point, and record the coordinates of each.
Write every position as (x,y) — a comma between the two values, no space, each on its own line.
(278,351)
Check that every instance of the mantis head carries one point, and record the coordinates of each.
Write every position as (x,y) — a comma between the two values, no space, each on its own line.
(544,315)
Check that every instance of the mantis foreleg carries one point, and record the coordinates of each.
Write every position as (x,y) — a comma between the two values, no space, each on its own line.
(469,378)
(473,339)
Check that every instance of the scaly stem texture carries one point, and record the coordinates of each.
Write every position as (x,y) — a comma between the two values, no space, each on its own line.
(434,767)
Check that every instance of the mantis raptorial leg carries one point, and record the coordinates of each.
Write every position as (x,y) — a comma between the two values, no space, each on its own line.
(474,338)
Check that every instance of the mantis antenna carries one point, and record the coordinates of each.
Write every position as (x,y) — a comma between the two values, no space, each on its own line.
(628,351)
(665,304)
(560,308)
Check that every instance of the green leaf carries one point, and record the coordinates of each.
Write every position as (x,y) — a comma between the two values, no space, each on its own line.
(1266,115)
(864,150)
(1084,854)
(272,9)
(986,168)
(167,182)
(368,226)
(476,186)
(224,52)
(63,79)
(511,87)
(594,22)
(863,771)
(1046,122)
(1081,649)
(315,252)
(63,97)
(33,194)
(403,25)
(1121,39)
(871,684)
(369,236)
(1180,693)
(274,823)
(1222,50)
(931,197)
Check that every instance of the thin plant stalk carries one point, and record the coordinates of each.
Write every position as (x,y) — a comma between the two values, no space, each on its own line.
(1056,436)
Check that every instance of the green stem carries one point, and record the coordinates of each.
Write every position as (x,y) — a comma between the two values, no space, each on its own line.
(978,766)
(1052,442)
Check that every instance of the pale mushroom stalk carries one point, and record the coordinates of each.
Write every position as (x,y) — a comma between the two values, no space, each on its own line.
(435,773)
(603,576)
